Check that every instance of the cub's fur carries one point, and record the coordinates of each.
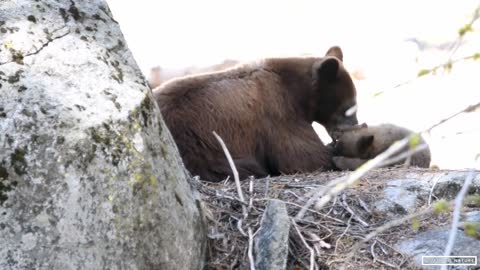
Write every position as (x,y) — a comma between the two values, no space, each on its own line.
(355,146)
(263,113)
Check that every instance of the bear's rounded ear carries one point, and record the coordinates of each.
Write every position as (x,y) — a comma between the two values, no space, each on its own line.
(336,52)
(365,142)
(327,68)
(363,125)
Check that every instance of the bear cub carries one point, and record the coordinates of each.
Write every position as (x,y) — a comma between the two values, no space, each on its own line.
(263,112)
(357,145)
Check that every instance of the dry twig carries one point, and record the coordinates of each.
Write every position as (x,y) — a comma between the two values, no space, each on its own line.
(456,215)
(313,265)
(235,172)
(430,195)
(343,233)
(375,258)
(352,213)
(240,195)
(408,154)
(250,249)
(353,177)
(468,109)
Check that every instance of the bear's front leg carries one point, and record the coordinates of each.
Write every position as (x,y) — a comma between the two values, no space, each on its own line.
(300,150)
(346,163)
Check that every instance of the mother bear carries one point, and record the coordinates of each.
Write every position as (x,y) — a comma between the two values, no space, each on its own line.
(263,112)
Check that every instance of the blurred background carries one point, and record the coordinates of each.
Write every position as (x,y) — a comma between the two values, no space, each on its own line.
(386,45)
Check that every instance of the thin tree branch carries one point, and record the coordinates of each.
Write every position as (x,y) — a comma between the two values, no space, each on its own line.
(235,173)
(456,215)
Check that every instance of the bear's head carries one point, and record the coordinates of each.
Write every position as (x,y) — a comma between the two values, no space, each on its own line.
(357,142)
(335,92)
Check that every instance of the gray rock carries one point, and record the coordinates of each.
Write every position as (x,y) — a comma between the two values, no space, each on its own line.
(271,242)
(89,175)
(404,195)
(473,216)
(450,184)
(401,196)
(433,243)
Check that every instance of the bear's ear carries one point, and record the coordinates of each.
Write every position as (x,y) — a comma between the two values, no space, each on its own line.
(336,52)
(364,143)
(327,68)
(363,125)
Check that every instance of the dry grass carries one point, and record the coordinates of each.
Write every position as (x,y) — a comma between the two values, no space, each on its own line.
(332,232)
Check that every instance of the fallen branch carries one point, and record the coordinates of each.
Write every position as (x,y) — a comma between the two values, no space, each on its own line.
(317,193)
(352,213)
(343,233)
(376,259)
(313,265)
(385,227)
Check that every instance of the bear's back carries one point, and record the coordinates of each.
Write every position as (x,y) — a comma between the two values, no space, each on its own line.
(387,134)
(252,92)
(262,111)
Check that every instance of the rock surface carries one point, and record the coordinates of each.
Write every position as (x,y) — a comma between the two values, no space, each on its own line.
(404,195)
(271,242)
(89,175)
(433,243)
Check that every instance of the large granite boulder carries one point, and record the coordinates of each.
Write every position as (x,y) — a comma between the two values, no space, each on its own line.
(89,175)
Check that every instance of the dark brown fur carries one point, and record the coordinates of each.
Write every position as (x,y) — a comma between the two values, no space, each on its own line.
(263,113)
(354,147)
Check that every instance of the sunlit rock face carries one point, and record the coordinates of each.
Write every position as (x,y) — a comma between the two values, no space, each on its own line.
(89,175)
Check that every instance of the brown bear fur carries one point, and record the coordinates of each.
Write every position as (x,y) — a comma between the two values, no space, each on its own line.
(158,75)
(355,146)
(263,113)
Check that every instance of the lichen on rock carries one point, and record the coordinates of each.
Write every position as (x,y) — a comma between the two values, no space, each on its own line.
(90,178)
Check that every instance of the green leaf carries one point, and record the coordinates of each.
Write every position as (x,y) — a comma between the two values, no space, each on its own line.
(476,56)
(472,200)
(472,229)
(423,72)
(466,28)
(440,206)
(415,224)
(448,66)
(414,140)
(378,93)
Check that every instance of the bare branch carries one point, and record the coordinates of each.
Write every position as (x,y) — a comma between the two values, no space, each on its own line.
(343,183)
(456,44)
(456,215)
(250,192)
(352,213)
(343,233)
(250,249)
(376,259)
(466,110)
(312,252)
(404,155)
(432,189)
(235,173)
